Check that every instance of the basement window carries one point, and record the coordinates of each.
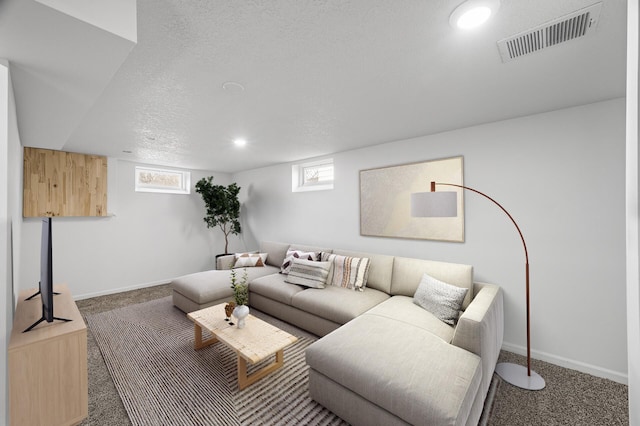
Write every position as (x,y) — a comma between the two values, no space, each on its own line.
(312,176)
(162,180)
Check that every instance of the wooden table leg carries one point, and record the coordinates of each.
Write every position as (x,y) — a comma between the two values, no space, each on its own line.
(244,380)
(198,342)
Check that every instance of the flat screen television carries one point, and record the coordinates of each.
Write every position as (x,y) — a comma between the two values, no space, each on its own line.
(46,276)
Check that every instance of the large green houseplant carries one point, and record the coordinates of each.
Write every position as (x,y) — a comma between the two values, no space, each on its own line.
(223,207)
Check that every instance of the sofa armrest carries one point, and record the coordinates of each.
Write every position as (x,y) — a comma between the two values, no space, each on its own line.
(480,328)
(225,262)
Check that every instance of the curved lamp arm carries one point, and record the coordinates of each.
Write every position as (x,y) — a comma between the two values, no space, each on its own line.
(526,254)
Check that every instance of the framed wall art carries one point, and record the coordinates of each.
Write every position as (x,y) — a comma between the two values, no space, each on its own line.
(385,200)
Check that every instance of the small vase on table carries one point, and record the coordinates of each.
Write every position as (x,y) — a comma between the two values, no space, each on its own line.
(241,312)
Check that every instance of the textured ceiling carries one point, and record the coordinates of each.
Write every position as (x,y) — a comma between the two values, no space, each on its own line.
(324,76)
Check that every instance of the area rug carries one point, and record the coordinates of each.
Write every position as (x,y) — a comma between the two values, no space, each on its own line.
(162,380)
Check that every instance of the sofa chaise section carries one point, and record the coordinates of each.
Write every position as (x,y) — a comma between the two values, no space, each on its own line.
(381,371)
(208,288)
(450,367)
(203,289)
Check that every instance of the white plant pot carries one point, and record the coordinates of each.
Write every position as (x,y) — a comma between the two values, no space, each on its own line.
(241,312)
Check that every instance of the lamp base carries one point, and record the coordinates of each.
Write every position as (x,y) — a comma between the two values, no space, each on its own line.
(517,376)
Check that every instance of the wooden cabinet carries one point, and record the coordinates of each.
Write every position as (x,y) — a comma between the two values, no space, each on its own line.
(48,365)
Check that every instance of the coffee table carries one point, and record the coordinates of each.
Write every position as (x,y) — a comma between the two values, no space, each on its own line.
(255,342)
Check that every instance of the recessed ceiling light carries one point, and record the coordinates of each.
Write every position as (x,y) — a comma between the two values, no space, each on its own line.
(473,13)
(240,142)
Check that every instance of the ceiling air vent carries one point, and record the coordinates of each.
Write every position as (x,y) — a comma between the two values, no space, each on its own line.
(560,30)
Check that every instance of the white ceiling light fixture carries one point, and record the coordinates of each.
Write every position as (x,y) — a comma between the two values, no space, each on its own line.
(473,13)
(239,142)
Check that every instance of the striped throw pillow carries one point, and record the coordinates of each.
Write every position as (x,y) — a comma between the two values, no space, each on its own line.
(308,273)
(346,271)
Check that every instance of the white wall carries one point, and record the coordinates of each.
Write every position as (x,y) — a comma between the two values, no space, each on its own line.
(15,191)
(5,247)
(11,166)
(633,236)
(561,176)
(151,239)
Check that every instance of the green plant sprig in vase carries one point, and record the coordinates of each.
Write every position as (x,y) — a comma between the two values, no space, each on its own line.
(241,296)
(240,288)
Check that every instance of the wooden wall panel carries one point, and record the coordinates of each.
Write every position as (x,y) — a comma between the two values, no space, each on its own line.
(58,183)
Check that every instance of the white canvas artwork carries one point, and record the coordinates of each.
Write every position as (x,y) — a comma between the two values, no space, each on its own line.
(385,200)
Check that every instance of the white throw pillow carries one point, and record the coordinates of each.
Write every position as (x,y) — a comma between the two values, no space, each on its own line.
(248,260)
(308,273)
(297,254)
(441,299)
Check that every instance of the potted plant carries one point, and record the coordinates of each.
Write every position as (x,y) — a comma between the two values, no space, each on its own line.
(223,207)
(240,296)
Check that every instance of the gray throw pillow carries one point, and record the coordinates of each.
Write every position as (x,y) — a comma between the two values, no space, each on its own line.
(441,299)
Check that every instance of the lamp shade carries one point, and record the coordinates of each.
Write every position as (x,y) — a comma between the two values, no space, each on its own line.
(434,204)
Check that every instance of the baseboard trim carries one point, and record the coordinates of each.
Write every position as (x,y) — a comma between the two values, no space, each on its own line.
(616,376)
(120,289)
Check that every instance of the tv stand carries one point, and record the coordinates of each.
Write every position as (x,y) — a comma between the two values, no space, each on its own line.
(44,319)
(49,358)
(37,293)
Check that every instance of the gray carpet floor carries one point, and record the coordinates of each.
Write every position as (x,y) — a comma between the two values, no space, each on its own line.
(570,397)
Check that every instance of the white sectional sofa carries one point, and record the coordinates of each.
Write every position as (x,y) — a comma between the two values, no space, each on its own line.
(382,359)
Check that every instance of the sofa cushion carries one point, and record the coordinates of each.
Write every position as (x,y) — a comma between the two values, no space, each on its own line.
(308,273)
(203,287)
(346,271)
(407,274)
(277,252)
(404,369)
(402,308)
(274,287)
(380,269)
(337,304)
(441,299)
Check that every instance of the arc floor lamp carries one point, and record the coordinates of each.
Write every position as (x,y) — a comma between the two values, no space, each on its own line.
(445,204)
